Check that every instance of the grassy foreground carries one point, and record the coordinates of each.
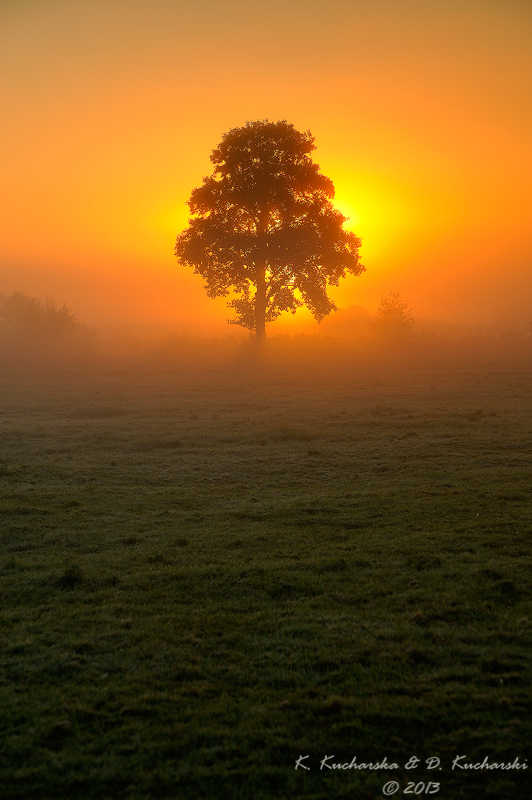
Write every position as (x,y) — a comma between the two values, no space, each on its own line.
(207,574)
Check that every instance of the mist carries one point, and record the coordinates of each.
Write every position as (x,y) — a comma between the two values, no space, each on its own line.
(38,333)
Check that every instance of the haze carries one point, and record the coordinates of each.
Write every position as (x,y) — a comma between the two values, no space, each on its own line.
(421,113)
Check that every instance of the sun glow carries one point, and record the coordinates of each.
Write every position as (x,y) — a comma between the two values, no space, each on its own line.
(380,213)
(348,210)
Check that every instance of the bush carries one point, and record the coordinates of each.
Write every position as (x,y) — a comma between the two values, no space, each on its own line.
(29,324)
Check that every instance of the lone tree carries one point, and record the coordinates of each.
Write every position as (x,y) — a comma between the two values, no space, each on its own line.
(263,225)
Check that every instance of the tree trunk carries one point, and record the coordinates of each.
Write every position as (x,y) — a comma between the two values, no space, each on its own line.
(260,304)
(260,295)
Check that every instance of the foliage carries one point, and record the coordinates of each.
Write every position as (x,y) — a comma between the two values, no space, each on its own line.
(394,319)
(263,225)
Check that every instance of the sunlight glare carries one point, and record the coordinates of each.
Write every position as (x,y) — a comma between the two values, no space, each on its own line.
(348,210)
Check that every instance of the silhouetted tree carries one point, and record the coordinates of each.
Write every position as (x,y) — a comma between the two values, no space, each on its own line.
(264,226)
(394,319)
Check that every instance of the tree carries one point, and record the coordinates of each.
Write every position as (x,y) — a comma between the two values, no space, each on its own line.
(394,320)
(263,226)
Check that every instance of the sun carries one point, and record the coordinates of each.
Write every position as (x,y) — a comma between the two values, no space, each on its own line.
(348,210)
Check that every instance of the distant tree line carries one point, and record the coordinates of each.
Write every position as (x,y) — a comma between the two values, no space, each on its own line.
(30,323)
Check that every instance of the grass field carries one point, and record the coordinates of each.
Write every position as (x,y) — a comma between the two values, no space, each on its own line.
(207,573)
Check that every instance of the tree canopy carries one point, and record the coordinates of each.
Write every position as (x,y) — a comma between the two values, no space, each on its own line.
(263,225)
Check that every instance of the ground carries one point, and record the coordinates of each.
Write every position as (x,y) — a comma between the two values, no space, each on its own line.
(207,572)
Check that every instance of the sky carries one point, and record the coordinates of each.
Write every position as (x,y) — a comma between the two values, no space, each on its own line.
(421,115)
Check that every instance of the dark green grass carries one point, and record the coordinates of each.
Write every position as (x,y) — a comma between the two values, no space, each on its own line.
(205,576)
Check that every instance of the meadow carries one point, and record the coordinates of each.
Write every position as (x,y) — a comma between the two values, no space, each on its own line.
(210,570)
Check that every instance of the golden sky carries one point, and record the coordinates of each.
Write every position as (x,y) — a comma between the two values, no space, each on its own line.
(421,111)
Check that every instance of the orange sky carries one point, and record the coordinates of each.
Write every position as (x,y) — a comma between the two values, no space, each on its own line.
(421,113)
